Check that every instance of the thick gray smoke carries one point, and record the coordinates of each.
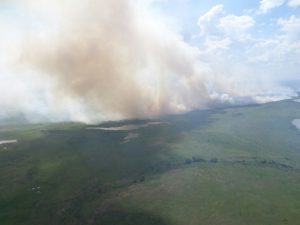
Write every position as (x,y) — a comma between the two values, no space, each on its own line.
(114,55)
(118,59)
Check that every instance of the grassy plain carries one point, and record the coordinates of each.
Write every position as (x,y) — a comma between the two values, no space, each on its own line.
(238,165)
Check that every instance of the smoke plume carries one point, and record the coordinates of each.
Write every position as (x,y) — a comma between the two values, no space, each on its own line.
(119,59)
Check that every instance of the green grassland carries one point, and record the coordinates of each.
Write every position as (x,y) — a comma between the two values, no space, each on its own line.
(238,165)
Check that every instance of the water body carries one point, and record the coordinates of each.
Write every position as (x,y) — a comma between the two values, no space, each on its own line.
(297,100)
(8,142)
(125,127)
(296,123)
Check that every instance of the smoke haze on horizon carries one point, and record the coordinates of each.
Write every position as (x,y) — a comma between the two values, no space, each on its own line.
(113,59)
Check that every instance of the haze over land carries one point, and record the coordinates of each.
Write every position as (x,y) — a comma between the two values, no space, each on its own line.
(111,59)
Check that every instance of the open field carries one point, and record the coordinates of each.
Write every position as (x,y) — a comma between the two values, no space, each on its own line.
(238,165)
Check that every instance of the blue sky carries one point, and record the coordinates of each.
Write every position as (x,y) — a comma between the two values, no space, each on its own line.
(274,32)
(188,11)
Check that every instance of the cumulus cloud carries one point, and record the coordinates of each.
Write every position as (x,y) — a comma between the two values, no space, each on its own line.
(207,21)
(251,53)
(236,23)
(266,5)
(221,30)
(294,3)
(236,26)
(290,27)
(216,22)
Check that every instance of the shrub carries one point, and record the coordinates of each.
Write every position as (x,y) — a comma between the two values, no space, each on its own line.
(188,161)
(214,160)
(197,159)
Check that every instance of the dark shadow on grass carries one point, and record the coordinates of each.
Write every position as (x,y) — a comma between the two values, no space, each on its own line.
(119,216)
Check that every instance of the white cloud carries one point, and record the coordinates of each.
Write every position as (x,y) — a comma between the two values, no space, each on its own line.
(217,45)
(236,26)
(238,23)
(219,28)
(266,5)
(208,20)
(290,27)
(229,40)
(294,3)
